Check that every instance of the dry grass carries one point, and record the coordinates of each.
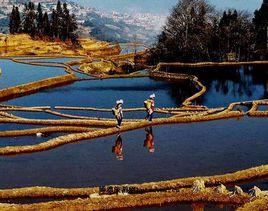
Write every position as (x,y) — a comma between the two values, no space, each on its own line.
(98,67)
(22,45)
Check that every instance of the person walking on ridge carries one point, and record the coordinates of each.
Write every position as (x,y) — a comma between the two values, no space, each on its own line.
(149,105)
(118,112)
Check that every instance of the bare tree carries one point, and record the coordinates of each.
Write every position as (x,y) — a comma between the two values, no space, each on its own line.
(187,31)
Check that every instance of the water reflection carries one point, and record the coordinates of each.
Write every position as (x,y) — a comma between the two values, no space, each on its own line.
(149,141)
(198,206)
(117,149)
(226,85)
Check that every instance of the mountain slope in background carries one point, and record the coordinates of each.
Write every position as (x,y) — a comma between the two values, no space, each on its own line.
(113,26)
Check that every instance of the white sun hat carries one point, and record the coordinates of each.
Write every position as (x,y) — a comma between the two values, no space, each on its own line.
(152,96)
(119,102)
(151,150)
(39,135)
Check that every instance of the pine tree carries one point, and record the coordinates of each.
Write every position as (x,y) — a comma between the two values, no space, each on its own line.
(235,34)
(54,25)
(59,8)
(17,21)
(59,20)
(29,19)
(69,26)
(61,25)
(65,23)
(39,20)
(46,25)
(260,21)
(72,30)
(12,21)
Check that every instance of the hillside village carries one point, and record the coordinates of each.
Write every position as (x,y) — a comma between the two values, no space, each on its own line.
(118,27)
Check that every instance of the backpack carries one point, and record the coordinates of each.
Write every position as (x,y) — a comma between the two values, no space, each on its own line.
(147,104)
(115,111)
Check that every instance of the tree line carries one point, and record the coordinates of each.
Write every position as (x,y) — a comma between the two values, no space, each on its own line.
(59,25)
(195,32)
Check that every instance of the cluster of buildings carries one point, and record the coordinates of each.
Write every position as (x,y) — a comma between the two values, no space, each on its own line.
(141,23)
(147,20)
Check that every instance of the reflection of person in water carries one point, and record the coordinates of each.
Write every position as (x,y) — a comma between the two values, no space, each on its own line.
(149,141)
(118,148)
(198,206)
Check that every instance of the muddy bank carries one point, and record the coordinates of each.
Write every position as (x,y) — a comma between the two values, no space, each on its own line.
(105,202)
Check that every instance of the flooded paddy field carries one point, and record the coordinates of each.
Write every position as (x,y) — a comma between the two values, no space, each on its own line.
(103,94)
(25,140)
(224,86)
(191,150)
(14,74)
(9,126)
(176,151)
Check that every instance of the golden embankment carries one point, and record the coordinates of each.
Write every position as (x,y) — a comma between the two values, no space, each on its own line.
(158,74)
(133,200)
(254,112)
(210,64)
(257,205)
(44,130)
